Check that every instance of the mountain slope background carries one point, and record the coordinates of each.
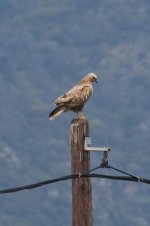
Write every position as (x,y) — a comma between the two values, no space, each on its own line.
(46,47)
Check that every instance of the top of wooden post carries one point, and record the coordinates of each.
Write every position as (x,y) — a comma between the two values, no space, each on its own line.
(78,120)
(79,130)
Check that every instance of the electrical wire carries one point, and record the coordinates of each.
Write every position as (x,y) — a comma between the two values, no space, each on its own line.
(129,177)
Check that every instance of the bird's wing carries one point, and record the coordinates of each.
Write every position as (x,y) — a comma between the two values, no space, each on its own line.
(78,94)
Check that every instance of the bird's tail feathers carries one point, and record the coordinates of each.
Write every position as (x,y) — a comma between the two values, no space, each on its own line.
(56,112)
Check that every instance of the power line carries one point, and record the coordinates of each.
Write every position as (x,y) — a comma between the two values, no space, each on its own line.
(129,177)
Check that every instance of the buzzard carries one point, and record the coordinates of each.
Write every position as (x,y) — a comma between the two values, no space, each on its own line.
(75,98)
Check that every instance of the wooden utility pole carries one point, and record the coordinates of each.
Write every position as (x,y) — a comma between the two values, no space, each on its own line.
(80,164)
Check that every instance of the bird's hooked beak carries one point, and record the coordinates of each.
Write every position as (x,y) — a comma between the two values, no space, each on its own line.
(96,80)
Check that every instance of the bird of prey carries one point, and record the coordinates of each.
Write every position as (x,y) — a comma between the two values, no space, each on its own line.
(75,98)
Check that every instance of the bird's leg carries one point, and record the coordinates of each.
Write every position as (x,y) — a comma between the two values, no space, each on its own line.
(77,115)
(80,115)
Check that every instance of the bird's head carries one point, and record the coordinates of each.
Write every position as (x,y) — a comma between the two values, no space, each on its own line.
(93,77)
(89,78)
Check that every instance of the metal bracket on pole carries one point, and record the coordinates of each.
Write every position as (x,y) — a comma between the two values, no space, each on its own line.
(105,150)
(88,143)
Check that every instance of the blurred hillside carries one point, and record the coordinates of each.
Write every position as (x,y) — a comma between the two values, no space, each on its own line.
(46,47)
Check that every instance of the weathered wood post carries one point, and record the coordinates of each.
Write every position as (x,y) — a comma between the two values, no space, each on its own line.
(80,163)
